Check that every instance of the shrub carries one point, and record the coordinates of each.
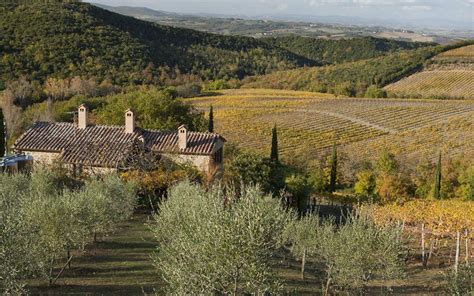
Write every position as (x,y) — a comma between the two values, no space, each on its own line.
(188,90)
(374,92)
(217,85)
(344,89)
(248,168)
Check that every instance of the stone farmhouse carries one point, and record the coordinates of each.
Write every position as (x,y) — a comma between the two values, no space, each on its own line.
(102,149)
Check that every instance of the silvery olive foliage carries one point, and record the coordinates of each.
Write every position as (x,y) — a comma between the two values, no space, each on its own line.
(218,242)
(352,253)
(43,220)
(301,236)
(17,236)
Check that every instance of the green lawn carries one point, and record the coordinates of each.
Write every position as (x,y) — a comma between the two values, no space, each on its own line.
(120,265)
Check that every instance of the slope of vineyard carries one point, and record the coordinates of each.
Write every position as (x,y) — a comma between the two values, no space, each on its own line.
(313,122)
(465,52)
(449,75)
(436,84)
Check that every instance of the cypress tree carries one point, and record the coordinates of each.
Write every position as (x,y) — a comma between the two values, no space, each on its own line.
(333,177)
(274,150)
(2,135)
(211,120)
(437,185)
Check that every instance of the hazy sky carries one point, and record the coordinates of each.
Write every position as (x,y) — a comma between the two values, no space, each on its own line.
(456,10)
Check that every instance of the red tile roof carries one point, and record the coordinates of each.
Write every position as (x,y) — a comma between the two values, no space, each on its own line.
(107,146)
(167,141)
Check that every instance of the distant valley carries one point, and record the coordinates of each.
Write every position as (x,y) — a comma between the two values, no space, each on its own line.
(333,27)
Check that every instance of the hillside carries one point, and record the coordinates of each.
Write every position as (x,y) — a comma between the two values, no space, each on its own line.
(65,39)
(338,51)
(309,123)
(347,79)
(449,75)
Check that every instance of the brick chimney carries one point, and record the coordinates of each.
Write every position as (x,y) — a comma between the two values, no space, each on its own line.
(129,122)
(182,137)
(82,117)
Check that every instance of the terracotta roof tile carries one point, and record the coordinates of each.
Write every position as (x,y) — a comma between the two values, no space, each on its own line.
(106,146)
(167,141)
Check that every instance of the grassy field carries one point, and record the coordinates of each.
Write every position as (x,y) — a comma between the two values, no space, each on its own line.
(120,265)
(311,122)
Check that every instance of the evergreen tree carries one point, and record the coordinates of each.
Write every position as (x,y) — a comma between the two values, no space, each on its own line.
(333,177)
(2,135)
(274,150)
(437,185)
(211,120)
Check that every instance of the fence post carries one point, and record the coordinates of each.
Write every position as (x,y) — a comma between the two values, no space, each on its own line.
(303,262)
(467,246)
(423,244)
(456,259)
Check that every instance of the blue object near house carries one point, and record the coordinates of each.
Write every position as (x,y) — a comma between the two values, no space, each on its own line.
(16,163)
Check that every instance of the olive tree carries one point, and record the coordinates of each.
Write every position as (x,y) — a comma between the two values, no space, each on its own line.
(17,237)
(302,235)
(44,218)
(218,241)
(107,202)
(358,251)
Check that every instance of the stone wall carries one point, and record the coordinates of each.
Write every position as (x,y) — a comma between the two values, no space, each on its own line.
(48,158)
(202,162)
(95,171)
(42,158)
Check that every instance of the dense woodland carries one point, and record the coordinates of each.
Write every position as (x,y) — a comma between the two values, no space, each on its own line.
(77,39)
(70,39)
(330,51)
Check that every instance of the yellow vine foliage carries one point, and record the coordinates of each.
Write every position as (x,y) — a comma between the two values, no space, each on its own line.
(312,122)
(441,217)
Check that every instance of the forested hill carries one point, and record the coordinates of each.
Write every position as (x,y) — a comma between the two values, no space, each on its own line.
(326,51)
(71,38)
(68,38)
